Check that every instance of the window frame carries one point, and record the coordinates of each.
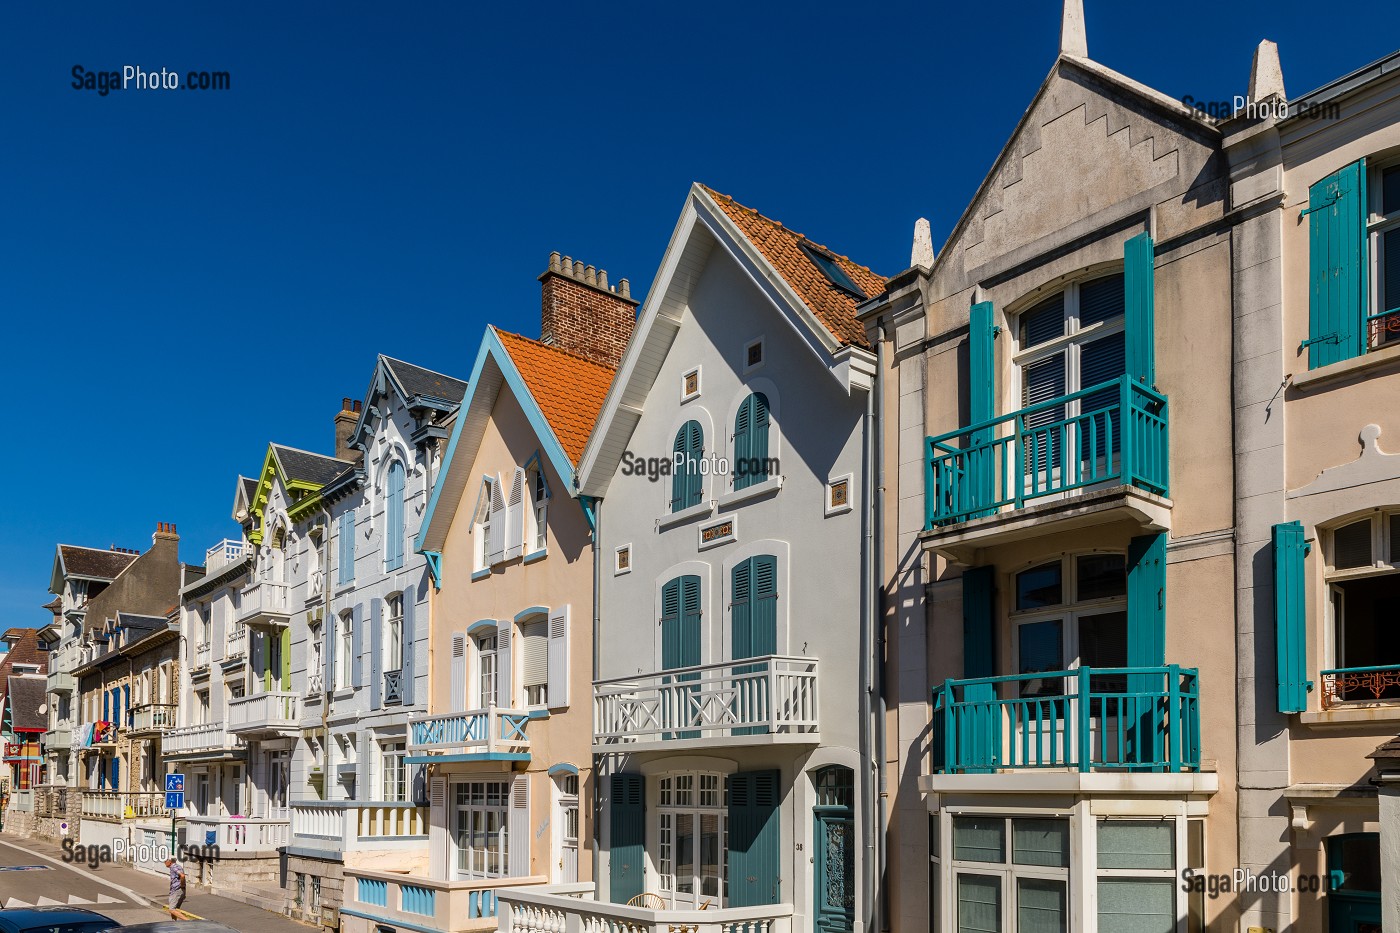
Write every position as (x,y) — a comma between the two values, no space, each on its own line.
(1378,224)
(1007,871)
(345,650)
(1071,341)
(1069,610)
(457,807)
(542,622)
(481,527)
(393,632)
(481,652)
(666,785)
(393,771)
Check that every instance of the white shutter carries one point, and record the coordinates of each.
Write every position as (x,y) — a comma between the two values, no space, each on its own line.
(558,657)
(515,516)
(504,697)
(520,836)
(534,656)
(496,543)
(439,793)
(459,674)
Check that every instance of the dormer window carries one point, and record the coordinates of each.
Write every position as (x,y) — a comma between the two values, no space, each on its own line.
(830,267)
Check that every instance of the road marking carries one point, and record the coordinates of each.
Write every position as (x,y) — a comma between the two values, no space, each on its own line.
(47,902)
(74,900)
(14,902)
(108,899)
(94,879)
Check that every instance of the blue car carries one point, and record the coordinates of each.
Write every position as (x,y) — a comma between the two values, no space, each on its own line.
(54,920)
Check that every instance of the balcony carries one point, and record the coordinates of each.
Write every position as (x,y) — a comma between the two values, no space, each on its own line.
(1353,687)
(555,907)
(398,899)
(227,551)
(205,739)
(393,687)
(23,801)
(996,480)
(153,717)
(115,806)
(59,739)
(264,603)
(201,655)
(1136,719)
(237,834)
(62,682)
(237,645)
(341,826)
(761,701)
(481,732)
(264,712)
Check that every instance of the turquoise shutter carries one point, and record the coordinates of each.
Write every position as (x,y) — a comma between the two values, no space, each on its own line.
(1147,595)
(764,632)
(741,612)
(394,525)
(754,839)
(1291,617)
(980,465)
(1139,310)
(1337,266)
(685,482)
(743,439)
(690,620)
(406,663)
(626,850)
(670,625)
(754,632)
(978,727)
(695,445)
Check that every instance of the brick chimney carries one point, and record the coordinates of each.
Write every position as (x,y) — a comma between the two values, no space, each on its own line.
(164,531)
(580,311)
(345,421)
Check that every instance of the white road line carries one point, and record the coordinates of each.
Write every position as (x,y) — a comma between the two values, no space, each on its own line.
(90,876)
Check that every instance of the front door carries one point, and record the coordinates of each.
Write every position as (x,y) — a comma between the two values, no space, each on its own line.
(1354,888)
(834,841)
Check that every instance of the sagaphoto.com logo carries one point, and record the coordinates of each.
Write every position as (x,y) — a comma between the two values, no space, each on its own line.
(654,468)
(136,78)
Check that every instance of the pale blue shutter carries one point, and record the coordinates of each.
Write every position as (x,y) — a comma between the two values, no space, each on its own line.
(1337,266)
(345,540)
(357,642)
(394,522)
(1291,617)
(333,623)
(410,647)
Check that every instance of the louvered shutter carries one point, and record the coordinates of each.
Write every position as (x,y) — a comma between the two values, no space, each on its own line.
(1100,361)
(1291,617)
(695,444)
(1043,381)
(287,658)
(741,611)
(459,673)
(670,625)
(980,732)
(505,697)
(743,440)
(558,688)
(328,652)
(981,366)
(346,543)
(534,654)
(496,542)
(394,531)
(357,643)
(410,647)
(375,638)
(1337,265)
(1139,320)
(626,837)
(765,607)
(515,516)
(520,835)
(755,839)
(690,620)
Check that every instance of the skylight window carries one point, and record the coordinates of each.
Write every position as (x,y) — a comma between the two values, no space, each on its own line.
(833,271)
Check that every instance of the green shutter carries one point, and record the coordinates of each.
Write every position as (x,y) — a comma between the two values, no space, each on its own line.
(979,725)
(741,612)
(287,658)
(686,480)
(755,839)
(981,364)
(680,641)
(1291,617)
(1147,601)
(670,625)
(690,620)
(1337,266)
(627,848)
(1139,311)
(751,441)
(695,444)
(754,629)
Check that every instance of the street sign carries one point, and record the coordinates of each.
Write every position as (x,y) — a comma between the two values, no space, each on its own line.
(174,784)
(63,828)
(174,800)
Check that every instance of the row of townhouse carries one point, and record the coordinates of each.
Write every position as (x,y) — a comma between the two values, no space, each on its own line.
(1015,592)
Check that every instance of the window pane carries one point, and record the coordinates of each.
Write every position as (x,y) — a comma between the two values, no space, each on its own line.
(1390,188)
(1100,300)
(1101,576)
(1137,844)
(1387,329)
(1040,842)
(1040,906)
(979,904)
(1103,640)
(979,839)
(1039,587)
(1351,545)
(1041,646)
(1128,905)
(1045,321)
(1358,858)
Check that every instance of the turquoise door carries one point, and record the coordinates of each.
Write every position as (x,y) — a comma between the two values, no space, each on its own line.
(680,647)
(1354,883)
(834,850)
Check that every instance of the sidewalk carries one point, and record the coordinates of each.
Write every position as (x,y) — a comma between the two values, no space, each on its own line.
(154,889)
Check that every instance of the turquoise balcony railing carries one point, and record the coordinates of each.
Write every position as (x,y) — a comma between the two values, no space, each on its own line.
(1043,450)
(1086,719)
(492,730)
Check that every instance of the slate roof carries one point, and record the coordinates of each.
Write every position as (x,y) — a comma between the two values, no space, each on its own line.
(304,465)
(53,605)
(782,248)
(93,562)
(1388,752)
(26,695)
(569,389)
(24,649)
(250,486)
(416,381)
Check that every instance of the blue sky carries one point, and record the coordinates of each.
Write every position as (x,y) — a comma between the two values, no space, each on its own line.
(186,275)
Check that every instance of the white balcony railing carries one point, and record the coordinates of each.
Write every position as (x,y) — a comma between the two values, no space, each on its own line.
(264,601)
(207,737)
(227,551)
(115,806)
(360,825)
(61,682)
(399,899)
(237,834)
(59,739)
(261,712)
(314,683)
(487,730)
(201,654)
(237,644)
(773,695)
(566,907)
(153,717)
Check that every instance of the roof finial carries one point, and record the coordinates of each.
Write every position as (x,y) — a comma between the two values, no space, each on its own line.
(1073,40)
(922,253)
(1266,73)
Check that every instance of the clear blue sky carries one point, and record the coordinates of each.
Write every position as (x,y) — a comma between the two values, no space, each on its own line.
(185,276)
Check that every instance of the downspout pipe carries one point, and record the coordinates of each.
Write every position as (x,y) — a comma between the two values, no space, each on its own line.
(876,560)
(596,835)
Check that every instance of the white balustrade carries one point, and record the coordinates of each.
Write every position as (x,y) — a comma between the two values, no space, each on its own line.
(264,601)
(205,737)
(571,907)
(227,551)
(264,711)
(153,717)
(492,730)
(237,834)
(367,825)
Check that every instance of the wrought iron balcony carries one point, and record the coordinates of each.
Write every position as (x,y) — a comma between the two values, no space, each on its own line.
(1086,719)
(1043,451)
(773,698)
(393,687)
(1347,686)
(493,731)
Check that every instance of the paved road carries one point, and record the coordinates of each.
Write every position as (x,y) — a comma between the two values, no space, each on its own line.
(114,890)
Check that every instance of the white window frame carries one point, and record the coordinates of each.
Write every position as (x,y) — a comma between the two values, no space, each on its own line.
(1068,612)
(618,569)
(345,650)
(669,805)
(481,527)
(566,802)
(393,771)
(1377,226)
(695,371)
(484,648)
(1385,561)
(762,355)
(393,632)
(471,854)
(1007,871)
(542,689)
(1071,341)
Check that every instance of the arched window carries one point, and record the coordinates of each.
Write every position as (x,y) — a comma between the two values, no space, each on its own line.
(751,441)
(394,531)
(686,482)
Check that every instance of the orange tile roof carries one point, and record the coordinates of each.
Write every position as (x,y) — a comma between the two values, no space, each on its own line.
(835,308)
(569,388)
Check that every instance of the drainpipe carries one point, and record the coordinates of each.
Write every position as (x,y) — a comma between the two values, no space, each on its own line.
(326,690)
(875,620)
(597,624)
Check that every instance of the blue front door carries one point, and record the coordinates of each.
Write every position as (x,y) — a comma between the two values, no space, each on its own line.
(834,845)
(1354,883)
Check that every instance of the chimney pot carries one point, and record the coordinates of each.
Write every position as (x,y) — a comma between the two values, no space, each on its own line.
(625,287)
(590,275)
(580,312)
(603,279)
(554,261)
(578,269)
(567,267)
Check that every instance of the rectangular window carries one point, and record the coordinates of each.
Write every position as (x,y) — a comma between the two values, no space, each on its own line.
(480,824)
(486,672)
(345,659)
(1383,322)
(1363,576)
(393,634)
(393,771)
(1008,874)
(1136,883)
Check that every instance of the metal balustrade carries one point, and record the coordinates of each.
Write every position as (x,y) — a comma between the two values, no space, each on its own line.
(1342,686)
(1086,719)
(393,687)
(1042,450)
(555,908)
(489,730)
(772,695)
